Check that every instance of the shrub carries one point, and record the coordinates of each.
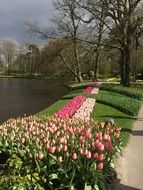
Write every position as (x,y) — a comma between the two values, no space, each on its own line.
(54,153)
(124,104)
(129,91)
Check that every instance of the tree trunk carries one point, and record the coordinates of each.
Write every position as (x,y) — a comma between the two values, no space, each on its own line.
(79,78)
(127,63)
(122,67)
(96,68)
(133,55)
(78,68)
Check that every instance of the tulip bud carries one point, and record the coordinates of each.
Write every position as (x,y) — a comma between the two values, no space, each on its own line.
(100,166)
(52,150)
(74,156)
(40,155)
(88,156)
(60,159)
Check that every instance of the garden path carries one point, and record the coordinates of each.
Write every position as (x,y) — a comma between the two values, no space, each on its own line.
(129,167)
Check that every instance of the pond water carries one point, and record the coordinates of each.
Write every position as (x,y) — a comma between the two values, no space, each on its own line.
(27,96)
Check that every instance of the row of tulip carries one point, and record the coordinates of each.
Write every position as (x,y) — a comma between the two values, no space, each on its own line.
(88,89)
(51,146)
(85,110)
(79,107)
(71,107)
(91,90)
(95,91)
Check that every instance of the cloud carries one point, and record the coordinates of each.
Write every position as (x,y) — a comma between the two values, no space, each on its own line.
(14,12)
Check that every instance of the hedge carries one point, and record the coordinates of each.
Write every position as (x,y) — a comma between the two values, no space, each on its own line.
(130,91)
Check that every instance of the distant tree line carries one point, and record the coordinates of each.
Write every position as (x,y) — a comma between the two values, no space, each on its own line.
(90,38)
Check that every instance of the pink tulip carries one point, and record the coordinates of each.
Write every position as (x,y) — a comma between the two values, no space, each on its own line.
(85,152)
(59,149)
(87,134)
(69,109)
(47,145)
(81,139)
(108,145)
(95,155)
(22,140)
(65,148)
(100,166)
(67,154)
(88,156)
(100,147)
(60,159)
(74,156)
(105,137)
(101,157)
(52,150)
(81,151)
(88,90)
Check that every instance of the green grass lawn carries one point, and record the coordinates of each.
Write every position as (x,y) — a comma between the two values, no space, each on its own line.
(53,108)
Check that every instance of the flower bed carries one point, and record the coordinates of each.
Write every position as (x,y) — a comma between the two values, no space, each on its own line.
(71,107)
(85,110)
(88,89)
(52,153)
(91,90)
(95,91)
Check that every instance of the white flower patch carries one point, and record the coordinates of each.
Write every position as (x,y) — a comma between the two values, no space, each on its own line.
(85,110)
(94,91)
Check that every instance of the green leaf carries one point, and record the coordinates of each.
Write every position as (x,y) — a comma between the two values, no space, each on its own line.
(53,176)
(96,187)
(103,185)
(38,167)
(72,188)
(87,187)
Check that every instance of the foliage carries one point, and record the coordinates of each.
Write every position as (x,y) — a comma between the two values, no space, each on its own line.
(52,153)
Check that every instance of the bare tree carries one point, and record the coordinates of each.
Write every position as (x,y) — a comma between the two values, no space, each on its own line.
(122,19)
(8,50)
(95,19)
(126,23)
(69,27)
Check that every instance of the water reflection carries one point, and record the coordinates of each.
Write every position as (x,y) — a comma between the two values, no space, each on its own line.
(27,96)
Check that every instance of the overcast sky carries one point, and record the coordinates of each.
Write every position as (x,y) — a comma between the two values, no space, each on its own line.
(14,12)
